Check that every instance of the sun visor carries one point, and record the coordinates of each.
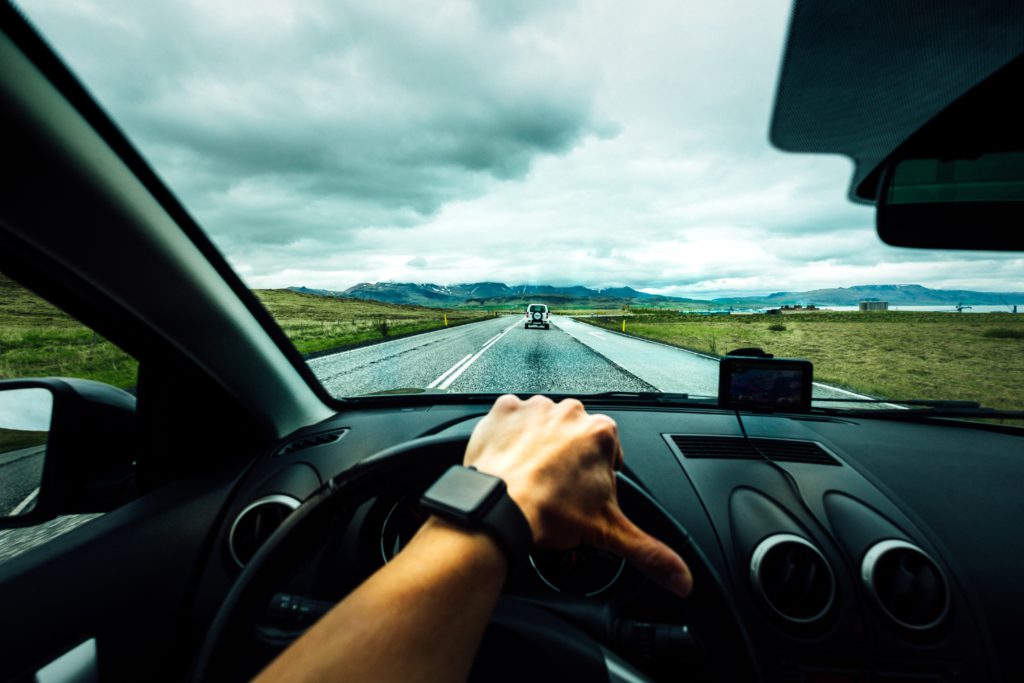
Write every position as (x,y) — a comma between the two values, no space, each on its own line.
(858,78)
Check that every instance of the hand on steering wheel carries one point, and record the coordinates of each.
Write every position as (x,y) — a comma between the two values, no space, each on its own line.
(570,494)
(559,464)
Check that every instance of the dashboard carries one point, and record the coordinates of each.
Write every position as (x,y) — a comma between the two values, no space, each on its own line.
(851,548)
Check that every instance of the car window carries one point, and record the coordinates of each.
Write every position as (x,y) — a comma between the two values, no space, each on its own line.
(37,339)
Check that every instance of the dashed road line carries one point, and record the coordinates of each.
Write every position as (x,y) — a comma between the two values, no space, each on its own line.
(462,367)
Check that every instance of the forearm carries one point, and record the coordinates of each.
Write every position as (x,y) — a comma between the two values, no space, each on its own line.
(420,618)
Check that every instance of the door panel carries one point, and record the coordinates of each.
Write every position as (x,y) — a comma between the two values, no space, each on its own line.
(126,579)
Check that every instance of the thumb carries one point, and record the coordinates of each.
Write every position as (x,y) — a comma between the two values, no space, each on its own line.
(648,554)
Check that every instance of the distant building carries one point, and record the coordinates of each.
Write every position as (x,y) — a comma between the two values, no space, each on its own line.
(873,305)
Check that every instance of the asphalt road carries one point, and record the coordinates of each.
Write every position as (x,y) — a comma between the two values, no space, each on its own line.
(20,473)
(492,356)
(499,355)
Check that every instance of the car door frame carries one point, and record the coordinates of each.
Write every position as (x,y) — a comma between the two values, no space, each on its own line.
(85,223)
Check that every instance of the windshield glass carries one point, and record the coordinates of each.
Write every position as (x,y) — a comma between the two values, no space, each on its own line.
(399,181)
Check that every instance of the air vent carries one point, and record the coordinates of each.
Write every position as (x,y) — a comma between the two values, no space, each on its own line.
(256,523)
(906,584)
(793,578)
(311,441)
(738,448)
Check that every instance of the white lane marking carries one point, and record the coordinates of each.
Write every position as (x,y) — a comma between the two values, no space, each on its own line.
(448,372)
(850,393)
(448,382)
(595,334)
(24,504)
(491,339)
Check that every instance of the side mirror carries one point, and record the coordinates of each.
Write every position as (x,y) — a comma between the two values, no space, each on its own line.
(66,446)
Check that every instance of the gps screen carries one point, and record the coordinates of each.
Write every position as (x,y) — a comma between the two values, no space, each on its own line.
(780,383)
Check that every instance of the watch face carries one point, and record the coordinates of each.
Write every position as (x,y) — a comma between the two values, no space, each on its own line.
(463,490)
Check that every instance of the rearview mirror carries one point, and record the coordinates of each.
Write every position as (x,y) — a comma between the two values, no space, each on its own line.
(24,430)
(958,182)
(954,203)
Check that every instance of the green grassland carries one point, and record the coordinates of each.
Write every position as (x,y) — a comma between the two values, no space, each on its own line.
(39,340)
(16,439)
(315,323)
(895,354)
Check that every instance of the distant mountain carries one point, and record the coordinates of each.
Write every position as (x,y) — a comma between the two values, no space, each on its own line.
(899,295)
(494,294)
(499,294)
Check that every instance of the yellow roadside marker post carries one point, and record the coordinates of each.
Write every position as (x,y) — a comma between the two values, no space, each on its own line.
(446,320)
(623,324)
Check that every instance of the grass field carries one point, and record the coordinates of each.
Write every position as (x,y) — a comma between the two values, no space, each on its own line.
(39,340)
(16,439)
(895,354)
(315,323)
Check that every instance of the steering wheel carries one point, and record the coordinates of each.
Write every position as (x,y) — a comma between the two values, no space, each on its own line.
(560,649)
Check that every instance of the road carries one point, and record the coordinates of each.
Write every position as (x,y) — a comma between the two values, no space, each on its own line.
(499,355)
(20,472)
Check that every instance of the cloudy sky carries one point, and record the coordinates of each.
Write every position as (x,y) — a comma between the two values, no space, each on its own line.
(600,143)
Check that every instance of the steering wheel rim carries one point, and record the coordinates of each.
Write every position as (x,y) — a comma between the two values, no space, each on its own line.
(387,469)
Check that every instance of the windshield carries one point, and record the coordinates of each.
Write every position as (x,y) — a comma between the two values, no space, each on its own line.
(398,181)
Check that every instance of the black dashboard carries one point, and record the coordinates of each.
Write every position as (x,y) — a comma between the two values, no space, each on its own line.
(852,548)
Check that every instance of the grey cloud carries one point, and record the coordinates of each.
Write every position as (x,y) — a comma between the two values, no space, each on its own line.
(377,105)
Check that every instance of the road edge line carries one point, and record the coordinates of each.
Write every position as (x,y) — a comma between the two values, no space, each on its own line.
(23,504)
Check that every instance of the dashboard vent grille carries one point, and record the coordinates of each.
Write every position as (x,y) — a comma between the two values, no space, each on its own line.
(793,578)
(313,440)
(738,448)
(906,584)
(256,523)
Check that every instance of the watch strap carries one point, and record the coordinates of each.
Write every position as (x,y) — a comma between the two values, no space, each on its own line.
(498,515)
(507,525)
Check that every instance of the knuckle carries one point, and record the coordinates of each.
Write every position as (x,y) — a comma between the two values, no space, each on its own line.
(604,429)
(605,423)
(571,405)
(507,402)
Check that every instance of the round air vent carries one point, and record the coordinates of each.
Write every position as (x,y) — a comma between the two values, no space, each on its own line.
(906,584)
(256,523)
(793,577)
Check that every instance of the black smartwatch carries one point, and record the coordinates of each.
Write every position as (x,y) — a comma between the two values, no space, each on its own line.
(474,500)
